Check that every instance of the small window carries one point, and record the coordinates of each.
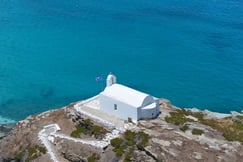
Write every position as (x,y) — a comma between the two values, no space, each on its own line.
(115,106)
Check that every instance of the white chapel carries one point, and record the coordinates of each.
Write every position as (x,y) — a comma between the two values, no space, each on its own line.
(125,102)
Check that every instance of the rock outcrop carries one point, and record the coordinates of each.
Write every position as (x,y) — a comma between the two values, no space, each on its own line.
(5,129)
(167,141)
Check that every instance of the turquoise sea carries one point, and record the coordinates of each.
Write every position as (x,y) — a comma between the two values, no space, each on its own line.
(188,51)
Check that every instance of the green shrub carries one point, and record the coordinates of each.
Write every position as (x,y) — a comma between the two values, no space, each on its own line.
(129,135)
(240,117)
(87,127)
(116,142)
(120,151)
(177,118)
(228,117)
(96,130)
(129,154)
(197,115)
(42,150)
(128,143)
(94,157)
(232,131)
(184,128)
(229,136)
(197,131)
(82,129)
(238,126)
(18,156)
(210,122)
(87,123)
(143,138)
(77,132)
(35,152)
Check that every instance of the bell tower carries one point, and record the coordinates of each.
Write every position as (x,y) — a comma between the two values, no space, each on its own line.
(111,79)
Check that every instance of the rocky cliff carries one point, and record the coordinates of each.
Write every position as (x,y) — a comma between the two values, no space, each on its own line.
(175,135)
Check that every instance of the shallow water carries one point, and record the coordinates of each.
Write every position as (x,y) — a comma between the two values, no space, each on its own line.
(187,51)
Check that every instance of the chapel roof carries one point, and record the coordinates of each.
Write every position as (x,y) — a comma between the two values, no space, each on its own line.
(125,94)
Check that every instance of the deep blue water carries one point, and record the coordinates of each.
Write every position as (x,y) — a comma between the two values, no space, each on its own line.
(188,51)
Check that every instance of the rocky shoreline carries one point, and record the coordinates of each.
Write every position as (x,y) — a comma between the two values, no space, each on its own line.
(5,129)
(168,140)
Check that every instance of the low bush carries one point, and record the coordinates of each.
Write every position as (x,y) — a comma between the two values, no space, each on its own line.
(142,138)
(240,117)
(129,135)
(35,152)
(98,130)
(116,142)
(77,132)
(93,158)
(234,133)
(128,143)
(119,151)
(87,127)
(178,117)
(231,130)
(197,131)
(18,156)
(184,128)
(129,154)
